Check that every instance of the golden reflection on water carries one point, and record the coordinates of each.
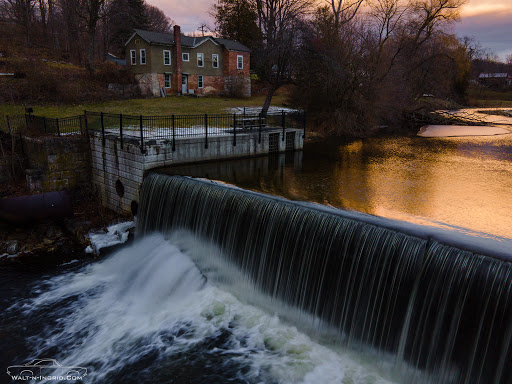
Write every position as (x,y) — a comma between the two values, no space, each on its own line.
(457,182)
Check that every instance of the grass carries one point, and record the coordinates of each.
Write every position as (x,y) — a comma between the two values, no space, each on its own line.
(489,98)
(154,106)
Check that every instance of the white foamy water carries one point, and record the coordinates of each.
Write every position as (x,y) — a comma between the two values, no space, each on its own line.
(147,314)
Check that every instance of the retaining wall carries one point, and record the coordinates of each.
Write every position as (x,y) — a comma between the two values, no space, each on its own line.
(117,172)
(56,163)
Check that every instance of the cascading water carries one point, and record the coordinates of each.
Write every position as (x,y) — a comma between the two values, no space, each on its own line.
(146,314)
(444,313)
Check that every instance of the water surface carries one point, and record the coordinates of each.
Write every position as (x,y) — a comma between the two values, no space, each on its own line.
(462,183)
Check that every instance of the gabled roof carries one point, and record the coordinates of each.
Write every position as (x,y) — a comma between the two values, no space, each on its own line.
(153,37)
(187,41)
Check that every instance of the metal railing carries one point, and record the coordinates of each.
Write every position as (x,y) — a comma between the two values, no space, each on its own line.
(145,128)
(57,126)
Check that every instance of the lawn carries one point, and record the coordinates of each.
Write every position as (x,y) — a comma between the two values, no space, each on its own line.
(485,97)
(154,106)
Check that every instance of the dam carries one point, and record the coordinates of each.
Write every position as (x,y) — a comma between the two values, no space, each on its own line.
(438,309)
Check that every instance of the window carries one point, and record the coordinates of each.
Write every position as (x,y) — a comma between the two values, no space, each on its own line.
(200,60)
(200,81)
(167,80)
(143,56)
(215,61)
(239,62)
(185,56)
(133,57)
(167,57)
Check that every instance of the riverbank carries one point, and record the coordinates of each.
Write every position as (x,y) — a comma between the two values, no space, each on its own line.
(53,242)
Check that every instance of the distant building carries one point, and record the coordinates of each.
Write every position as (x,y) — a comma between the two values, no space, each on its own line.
(495,80)
(114,59)
(188,65)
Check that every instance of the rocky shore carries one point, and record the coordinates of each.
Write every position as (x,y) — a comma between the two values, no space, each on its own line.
(53,242)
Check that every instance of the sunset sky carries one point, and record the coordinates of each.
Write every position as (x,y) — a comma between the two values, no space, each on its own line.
(489,21)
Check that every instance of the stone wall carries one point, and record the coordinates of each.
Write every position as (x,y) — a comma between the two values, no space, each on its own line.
(117,172)
(56,163)
(148,84)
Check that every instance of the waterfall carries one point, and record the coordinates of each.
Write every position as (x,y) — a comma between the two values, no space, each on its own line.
(440,310)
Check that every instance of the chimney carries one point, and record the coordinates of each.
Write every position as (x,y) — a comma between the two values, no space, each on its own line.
(177,52)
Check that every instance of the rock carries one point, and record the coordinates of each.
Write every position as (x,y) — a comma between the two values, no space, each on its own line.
(13,247)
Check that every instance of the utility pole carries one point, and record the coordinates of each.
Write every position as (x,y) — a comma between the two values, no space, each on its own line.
(202,28)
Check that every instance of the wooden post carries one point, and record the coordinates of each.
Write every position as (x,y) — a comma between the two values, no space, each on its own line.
(57,124)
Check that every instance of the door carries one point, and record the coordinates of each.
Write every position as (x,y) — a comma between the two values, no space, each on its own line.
(184,84)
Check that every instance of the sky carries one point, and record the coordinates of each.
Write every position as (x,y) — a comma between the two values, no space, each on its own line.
(488,21)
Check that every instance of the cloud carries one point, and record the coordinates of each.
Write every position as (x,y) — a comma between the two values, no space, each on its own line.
(189,14)
(478,7)
(492,29)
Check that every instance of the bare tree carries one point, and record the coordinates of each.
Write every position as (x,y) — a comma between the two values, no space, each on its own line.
(22,13)
(508,60)
(91,11)
(344,10)
(279,22)
(428,16)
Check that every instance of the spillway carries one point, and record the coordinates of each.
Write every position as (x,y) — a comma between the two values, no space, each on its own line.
(442,311)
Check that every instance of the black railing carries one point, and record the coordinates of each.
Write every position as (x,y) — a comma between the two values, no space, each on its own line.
(144,128)
(57,126)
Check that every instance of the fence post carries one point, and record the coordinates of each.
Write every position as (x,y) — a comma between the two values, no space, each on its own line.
(259,130)
(44,124)
(86,125)
(102,130)
(141,135)
(206,130)
(57,124)
(173,134)
(304,124)
(121,128)
(234,129)
(283,123)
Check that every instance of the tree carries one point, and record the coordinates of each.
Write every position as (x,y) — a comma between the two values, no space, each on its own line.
(123,17)
(91,11)
(22,13)
(157,20)
(274,57)
(236,20)
(356,73)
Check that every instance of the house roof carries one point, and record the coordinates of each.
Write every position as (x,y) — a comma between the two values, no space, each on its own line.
(187,41)
(154,37)
(493,75)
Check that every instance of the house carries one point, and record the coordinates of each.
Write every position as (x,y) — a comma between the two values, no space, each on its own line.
(188,65)
(495,80)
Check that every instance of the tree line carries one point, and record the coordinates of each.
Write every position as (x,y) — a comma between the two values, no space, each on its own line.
(354,64)
(82,31)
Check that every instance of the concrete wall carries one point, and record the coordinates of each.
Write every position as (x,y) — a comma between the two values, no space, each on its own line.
(126,166)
